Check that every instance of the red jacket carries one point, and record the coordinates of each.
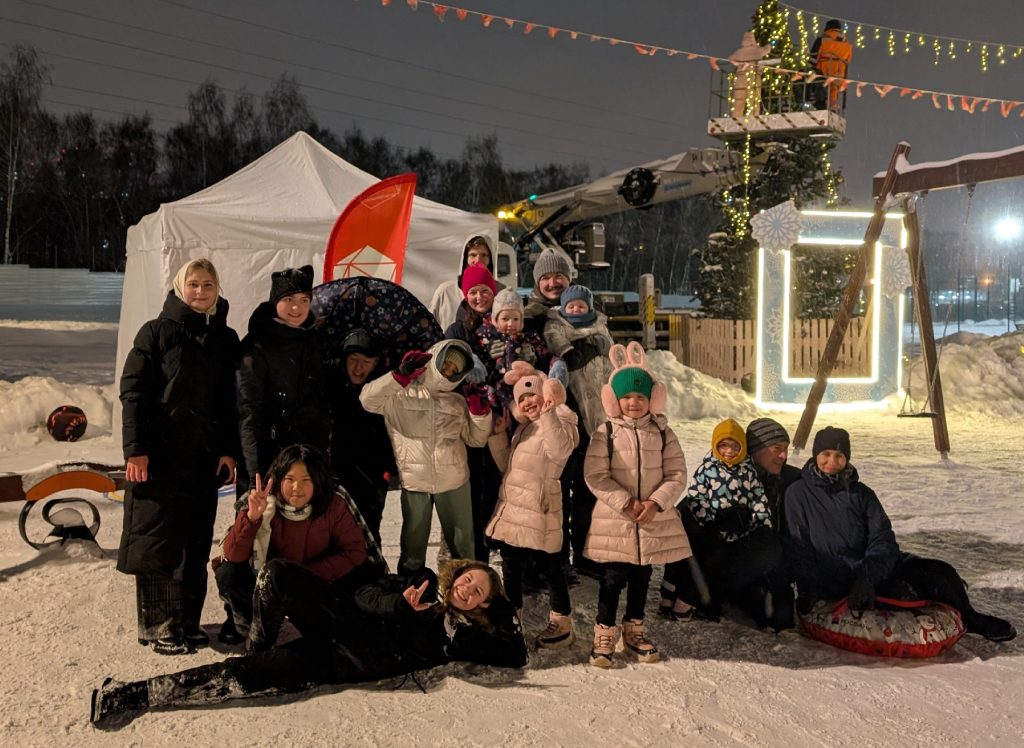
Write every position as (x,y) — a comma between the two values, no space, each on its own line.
(330,545)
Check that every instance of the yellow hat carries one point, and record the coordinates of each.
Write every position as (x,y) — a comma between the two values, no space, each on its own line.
(729,429)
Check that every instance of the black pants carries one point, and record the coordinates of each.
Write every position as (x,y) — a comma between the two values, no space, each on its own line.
(635,579)
(749,573)
(288,588)
(577,504)
(548,566)
(235,584)
(484,482)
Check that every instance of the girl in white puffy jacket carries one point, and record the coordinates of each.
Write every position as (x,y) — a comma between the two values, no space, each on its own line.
(527,523)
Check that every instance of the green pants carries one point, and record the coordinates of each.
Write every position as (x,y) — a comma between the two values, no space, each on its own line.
(454,510)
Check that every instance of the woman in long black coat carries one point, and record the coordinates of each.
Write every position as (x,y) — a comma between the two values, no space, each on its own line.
(392,628)
(180,443)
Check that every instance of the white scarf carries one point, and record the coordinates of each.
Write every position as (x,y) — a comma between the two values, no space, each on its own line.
(261,544)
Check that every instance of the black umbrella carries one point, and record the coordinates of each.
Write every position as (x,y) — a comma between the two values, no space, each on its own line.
(395,320)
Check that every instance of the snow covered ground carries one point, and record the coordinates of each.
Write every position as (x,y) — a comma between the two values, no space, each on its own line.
(67,619)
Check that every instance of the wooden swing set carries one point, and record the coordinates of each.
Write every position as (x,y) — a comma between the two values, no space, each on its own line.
(902,183)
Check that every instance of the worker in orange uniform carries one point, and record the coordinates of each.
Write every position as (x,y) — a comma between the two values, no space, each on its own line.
(831,55)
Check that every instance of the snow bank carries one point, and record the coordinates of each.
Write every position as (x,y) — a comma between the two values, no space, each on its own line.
(693,395)
(25,404)
(979,374)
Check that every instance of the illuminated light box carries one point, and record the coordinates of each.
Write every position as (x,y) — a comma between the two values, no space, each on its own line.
(886,281)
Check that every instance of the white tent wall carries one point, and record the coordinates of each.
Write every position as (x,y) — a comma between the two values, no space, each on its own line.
(275,213)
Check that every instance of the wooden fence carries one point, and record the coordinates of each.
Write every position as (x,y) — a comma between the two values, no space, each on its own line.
(726,349)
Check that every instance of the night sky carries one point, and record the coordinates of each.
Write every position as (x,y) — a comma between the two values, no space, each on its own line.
(417,81)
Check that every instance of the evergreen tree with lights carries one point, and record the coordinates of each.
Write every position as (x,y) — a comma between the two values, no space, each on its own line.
(798,168)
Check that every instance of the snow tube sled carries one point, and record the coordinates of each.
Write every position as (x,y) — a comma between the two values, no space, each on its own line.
(895,628)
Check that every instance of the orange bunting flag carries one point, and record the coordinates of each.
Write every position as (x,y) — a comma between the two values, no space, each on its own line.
(574,35)
(528,28)
(613,42)
(414,4)
(595,38)
(949,103)
(385,3)
(713,63)
(370,235)
(671,52)
(552,31)
(487,20)
(904,91)
(860,87)
(461,14)
(968,106)
(935,101)
(796,77)
(917,95)
(691,56)
(883,90)
(985,106)
(1007,106)
(440,11)
(510,22)
(641,49)
(844,85)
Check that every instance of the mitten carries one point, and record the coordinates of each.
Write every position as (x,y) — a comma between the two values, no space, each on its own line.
(582,353)
(560,372)
(496,349)
(861,596)
(412,367)
(478,374)
(476,399)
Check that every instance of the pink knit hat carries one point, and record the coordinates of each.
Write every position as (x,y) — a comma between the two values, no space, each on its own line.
(476,275)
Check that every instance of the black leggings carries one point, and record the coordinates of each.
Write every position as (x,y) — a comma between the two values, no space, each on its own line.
(616,575)
(548,566)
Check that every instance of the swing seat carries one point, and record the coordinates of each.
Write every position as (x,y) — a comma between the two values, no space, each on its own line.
(918,414)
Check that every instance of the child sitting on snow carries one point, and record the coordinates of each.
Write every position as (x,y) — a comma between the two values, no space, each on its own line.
(737,554)
(636,469)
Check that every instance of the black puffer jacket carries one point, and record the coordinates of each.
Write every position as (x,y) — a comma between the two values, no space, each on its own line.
(282,397)
(835,530)
(382,636)
(177,395)
(775,488)
(361,452)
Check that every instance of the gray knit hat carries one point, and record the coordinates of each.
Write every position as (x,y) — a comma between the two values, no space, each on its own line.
(551,261)
(763,432)
(506,300)
(578,293)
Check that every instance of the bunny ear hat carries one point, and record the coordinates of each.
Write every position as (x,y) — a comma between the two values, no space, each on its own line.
(630,374)
(524,378)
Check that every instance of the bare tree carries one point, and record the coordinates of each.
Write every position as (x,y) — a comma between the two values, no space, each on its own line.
(285,110)
(21,85)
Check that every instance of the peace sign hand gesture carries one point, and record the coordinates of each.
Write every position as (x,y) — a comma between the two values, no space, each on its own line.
(412,596)
(258,498)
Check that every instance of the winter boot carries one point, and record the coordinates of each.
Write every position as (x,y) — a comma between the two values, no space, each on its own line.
(168,645)
(992,628)
(603,651)
(197,639)
(229,633)
(636,643)
(115,704)
(559,632)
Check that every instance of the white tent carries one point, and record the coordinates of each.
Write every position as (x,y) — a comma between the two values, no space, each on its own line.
(275,213)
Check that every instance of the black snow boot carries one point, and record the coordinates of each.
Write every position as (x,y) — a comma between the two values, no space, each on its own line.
(115,704)
(992,628)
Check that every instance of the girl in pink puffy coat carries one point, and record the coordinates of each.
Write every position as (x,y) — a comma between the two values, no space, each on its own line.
(636,469)
(527,523)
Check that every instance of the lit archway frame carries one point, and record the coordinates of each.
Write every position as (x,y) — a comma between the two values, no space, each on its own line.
(776,388)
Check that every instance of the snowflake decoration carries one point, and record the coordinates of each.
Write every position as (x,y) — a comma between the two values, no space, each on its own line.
(777,228)
(774,325)
(895,272)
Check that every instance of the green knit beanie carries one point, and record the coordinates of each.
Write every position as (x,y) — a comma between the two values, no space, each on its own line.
(631,379)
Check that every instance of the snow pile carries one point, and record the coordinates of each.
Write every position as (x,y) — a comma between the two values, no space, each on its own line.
(25,404)
(979,374)
(693,395)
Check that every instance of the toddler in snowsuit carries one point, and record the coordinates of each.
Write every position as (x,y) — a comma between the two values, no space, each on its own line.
(739,557)
(636,469)
(502,340)
(430,426)
(527,521)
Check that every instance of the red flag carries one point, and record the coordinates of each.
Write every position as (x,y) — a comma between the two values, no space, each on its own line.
(369,236)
